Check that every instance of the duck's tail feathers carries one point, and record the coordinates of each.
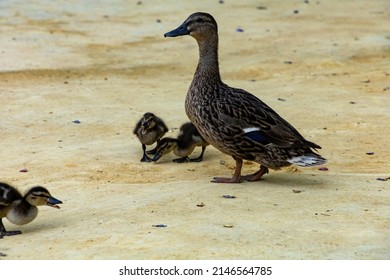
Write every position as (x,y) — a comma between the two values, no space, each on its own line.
(307,160)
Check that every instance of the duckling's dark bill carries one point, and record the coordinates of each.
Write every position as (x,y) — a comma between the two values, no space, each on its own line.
(52,202)
(156,157)
(180,31)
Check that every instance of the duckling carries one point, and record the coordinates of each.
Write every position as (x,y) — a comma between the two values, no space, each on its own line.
(183,146)
(19,209)
(149,129)
(233,120)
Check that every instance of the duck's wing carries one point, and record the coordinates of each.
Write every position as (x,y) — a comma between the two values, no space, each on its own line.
(162,124)
(8,194)
(245,115)
(187,131)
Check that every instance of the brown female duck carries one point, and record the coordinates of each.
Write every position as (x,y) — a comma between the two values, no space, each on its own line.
(233,120)
(19,209)
(183,146)
(149,129)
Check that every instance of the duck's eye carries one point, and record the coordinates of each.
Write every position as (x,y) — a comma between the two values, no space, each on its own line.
(199,20)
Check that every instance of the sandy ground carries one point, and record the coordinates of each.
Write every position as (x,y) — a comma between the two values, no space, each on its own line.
(323,65)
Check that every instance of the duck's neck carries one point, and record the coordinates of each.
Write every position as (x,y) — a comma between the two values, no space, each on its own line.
(24,206)
(208,67)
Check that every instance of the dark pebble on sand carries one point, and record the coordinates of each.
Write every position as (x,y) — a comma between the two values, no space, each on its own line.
(383,179)
(228,196)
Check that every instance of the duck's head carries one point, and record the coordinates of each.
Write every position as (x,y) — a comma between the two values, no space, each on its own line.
(148,122)
(38,195)
(164,146)
(198,25)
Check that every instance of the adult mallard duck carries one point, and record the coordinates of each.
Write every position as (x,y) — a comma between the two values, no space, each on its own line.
(20,209)
(183,146)
(149,129)
(234,121)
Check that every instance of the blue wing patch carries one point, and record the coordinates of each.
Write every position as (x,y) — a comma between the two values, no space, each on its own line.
(257,136)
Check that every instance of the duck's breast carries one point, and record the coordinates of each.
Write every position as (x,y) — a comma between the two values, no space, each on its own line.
(18,217)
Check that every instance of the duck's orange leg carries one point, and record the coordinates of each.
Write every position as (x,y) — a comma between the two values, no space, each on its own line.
(257,175)
(236,176)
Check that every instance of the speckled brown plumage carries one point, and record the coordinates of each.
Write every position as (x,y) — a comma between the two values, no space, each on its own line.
(233,120)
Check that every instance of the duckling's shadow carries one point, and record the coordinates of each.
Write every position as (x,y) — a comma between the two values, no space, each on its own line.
(40,227)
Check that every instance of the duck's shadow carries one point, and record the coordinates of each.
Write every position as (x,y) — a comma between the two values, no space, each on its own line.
(295,180)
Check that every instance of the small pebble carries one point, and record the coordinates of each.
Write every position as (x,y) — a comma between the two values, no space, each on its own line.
(228,226)
(200,204)
(159,225)
(287,62)
(296,12)
(297,191)
(228,196)
(323,169)
(370,153)
(281,99)
(239,29)
(24,170)
(76,121)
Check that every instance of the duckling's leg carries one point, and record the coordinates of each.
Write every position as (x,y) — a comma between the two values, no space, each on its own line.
(200,158)
(236,176)
(145,158)
(181,160)
(257,175)
(3,232)
(153,151)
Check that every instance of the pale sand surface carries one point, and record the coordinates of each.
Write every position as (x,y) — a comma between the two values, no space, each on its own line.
(105,64)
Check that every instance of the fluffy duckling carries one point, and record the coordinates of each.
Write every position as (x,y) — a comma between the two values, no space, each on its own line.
(19,209)
(149,129)
(183,146)
(233,120)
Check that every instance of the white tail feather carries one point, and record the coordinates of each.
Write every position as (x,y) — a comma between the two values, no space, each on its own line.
(307,160)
